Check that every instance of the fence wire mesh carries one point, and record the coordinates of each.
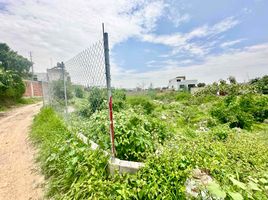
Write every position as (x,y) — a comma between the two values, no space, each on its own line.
(88,67)
(81,86)
(81,75)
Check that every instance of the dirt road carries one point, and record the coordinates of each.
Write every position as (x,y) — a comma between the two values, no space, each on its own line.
(19,177)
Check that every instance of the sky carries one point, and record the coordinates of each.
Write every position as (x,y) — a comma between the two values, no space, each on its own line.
(151,41)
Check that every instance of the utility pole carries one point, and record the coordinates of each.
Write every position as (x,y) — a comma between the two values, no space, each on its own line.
(32,90)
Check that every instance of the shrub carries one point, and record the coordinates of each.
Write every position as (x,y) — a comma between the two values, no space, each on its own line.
(58,90)
(119,99)
(142,101)
(183,96)
(11,85)
(241,111)
(96,99)
(261,84)
(236,161)
(136,135)
(220,132)
(79,91)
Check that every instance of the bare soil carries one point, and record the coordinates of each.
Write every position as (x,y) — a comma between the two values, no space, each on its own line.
(19,174)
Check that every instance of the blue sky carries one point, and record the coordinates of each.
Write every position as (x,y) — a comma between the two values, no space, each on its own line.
(251,28)
(151,41)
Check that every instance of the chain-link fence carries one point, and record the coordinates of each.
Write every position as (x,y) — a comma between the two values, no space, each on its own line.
(84,79)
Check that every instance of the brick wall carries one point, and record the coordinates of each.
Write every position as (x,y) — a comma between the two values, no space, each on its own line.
(37,88)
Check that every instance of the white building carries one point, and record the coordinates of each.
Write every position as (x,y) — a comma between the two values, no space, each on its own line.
(180,83)
(55,74)
(40,77)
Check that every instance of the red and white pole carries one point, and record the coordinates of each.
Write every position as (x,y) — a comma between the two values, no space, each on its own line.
(109,90)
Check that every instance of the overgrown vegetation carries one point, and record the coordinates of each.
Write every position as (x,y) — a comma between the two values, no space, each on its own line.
(222,130)
(13,68)
(11,85)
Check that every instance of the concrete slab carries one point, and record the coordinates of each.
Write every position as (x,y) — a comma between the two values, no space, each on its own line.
(115,164)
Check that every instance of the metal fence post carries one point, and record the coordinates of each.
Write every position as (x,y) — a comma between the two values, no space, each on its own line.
(109,90)
(43,93)
(65,89)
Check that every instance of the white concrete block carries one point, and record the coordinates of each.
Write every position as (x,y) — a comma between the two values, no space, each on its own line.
(115,164)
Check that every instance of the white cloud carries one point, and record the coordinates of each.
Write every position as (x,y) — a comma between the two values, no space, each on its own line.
(231,43)
(59,29)
(247,63)
(224,25)
(178,19)
(176,12)
(183,42)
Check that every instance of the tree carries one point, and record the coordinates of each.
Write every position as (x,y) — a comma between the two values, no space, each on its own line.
(223,82)
(79,91)
(201,85)
(261,84)
(11,60)
(232,80)
(58,89)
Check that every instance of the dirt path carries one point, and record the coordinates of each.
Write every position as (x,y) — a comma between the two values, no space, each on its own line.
(19,177)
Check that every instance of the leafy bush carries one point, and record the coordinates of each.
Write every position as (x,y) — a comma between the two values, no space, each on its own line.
(67,163)
(135,134)
(76,172)
(96,99)
(168,96)
(11,85)
(12,61)
(119,94)
(224,89)
(58,90)
(241,111)
(261,84)
(79,91)
(220,132)
(183,96)
(119,99)
(142,101)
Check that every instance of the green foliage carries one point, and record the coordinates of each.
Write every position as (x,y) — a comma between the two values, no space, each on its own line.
(58,89)
(119,94)
(201,85)
(6,104)
(183,96)
(96,99)
(241,111)
(232,80)
(69,165)
(216,191)
(220,132)
(142,101)
(135,134)
(261,84)
(202,137)
(11,61)
(224,89)
(11,85)
(79,91)
(119,99)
